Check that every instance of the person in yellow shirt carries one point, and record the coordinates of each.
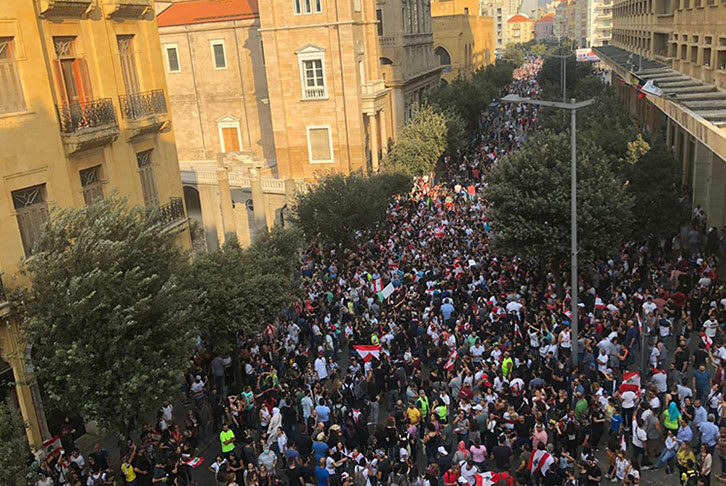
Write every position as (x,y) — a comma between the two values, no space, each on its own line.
(226,439)
(127,466)
(414,414)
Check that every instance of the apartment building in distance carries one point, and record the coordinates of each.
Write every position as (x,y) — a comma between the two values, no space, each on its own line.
(83,112)
(408,63)
(544,28)
(500,11)
(463,38)
(680,45)
(520,29)
(586,23)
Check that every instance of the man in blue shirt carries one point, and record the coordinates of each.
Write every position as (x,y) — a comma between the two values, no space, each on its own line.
(320,448)
(323,412)
(709,432)
(447,308)
(321,474)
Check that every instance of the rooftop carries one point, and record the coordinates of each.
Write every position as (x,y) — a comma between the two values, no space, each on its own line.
(203,11)
(546,17)
(703,99)
(518,18)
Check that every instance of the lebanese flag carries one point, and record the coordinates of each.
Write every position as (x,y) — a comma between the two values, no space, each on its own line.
(640,323)
(599,303)
(655,371)
(377,285)
(631,382)
(368,351)
(439,231)
(452,360)
(52,447)
(540,462)
(490,478)
(194,462)
(517,331)
(706,340)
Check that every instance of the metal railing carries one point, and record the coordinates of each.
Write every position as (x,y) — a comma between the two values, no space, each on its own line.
(140,105)
(315,93)
(77,116)
(171,211)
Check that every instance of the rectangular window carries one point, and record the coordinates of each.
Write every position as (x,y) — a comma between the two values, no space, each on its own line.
(172,58)
(148,181)
(318,6)
(91,184)
(230,138)
(320,147)
(220,59)
(31,209)
(128,63)
(379,18)
(11,89)
(307,6)
(297,7)
(262,52)
(313,79)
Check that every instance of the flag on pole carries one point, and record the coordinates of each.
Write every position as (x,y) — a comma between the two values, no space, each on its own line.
(52,447)
(452,360)
(540,462)
(377,285)
(368,351)
(194,462)
(631,382)
(706,340)
(640,323)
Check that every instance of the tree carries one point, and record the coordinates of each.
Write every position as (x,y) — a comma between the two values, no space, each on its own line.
(421,143)
(339,205)
(107,318)
(238,290)
(14,451)
(653,175)
(529,191)
(514,54)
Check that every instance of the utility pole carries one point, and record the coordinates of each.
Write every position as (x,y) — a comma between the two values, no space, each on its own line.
(563,74)
(573,106)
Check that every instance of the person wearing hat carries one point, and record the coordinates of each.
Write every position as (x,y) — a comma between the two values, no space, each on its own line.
(444,461)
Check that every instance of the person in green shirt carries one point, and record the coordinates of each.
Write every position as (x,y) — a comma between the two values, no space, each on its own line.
(581,408)
(226,438)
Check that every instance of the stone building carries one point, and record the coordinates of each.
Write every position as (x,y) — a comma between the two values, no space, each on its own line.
(83,112)
(463,38)
(520,29)
(544,28)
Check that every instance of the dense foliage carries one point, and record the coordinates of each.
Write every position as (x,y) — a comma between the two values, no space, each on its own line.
(14,450)
(422,141)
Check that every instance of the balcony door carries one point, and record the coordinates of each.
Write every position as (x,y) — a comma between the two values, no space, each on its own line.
(128,63)
(71,72)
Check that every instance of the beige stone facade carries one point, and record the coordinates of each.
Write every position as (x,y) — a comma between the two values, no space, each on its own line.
(500,11)
(520,29)
(463,38)
(83,112)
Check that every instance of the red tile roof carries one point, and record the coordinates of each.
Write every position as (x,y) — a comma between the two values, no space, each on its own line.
(202,11)
(519,18)
(546,17)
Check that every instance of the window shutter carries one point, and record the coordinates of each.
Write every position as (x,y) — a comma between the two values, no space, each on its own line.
(60,86)
(231,139)
(83,80)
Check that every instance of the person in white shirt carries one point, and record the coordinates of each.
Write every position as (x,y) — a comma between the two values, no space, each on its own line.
(321,367)
(710,326)
(469,470)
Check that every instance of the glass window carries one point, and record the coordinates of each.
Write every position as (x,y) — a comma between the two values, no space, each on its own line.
(11,88)
(91,184)
(172,59)
(31,208)
(148,181)
(313,79)
(220,59)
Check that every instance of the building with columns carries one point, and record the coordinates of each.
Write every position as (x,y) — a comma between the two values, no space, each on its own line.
(463,38)
(83,112)
(680,45)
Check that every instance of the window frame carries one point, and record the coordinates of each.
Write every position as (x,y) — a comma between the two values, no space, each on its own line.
(94,188)
(229,122)
(308,128)
(311,53)
(168,47)
(21,104)
(212,44)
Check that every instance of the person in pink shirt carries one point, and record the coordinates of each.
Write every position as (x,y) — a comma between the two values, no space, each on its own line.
(539,435)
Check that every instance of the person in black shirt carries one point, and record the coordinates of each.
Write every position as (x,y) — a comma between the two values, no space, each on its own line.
(591,473)
(502,454)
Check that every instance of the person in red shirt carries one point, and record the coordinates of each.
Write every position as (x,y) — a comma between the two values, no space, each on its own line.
(451,477)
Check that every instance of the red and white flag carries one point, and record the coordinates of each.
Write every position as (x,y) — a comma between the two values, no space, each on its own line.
(599,303)
(640,323)
(377,285)
(439,231)
(631,382)
(368,351)
(194,462)
(540,462)
(452,360)
(490,478)
(52,447)
(706,340)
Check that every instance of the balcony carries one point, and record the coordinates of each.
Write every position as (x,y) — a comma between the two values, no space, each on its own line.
(315,93)
(87,124)
(144,112)
(171,214)
(64,8)
(126,9)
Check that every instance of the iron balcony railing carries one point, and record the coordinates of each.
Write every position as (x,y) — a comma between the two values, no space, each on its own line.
(139,105)
(77,116)
(172,211)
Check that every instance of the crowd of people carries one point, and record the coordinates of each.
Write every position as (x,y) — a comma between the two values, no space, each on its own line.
(421,358)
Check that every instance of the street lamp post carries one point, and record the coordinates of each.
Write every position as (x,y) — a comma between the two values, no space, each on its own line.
(563,74)
(573,106)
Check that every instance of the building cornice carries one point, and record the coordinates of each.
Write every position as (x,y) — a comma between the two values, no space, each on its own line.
(314,26)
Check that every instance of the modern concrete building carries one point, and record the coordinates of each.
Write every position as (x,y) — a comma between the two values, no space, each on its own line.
(681,47)
(586,23)
(83,112)
(463,38)
(500,11)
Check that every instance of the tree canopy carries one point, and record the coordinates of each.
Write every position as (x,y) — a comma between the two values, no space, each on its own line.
(107,318)
(422,141)
(238,290)
(340,205)
(14,451)
(529,191)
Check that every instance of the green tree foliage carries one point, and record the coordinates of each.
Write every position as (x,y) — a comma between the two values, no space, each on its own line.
(238,290)
(514,54)
(340,205)
(421,143)
(14,451)
(579,77)
(105,312)
(653,175)
(529,193)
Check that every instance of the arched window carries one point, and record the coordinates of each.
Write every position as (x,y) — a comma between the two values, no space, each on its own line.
(443,55)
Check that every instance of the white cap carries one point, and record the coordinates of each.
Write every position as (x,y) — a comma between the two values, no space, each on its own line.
(442,450)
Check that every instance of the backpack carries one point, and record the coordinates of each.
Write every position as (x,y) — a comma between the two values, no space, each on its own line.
(691,478)
(359,479)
